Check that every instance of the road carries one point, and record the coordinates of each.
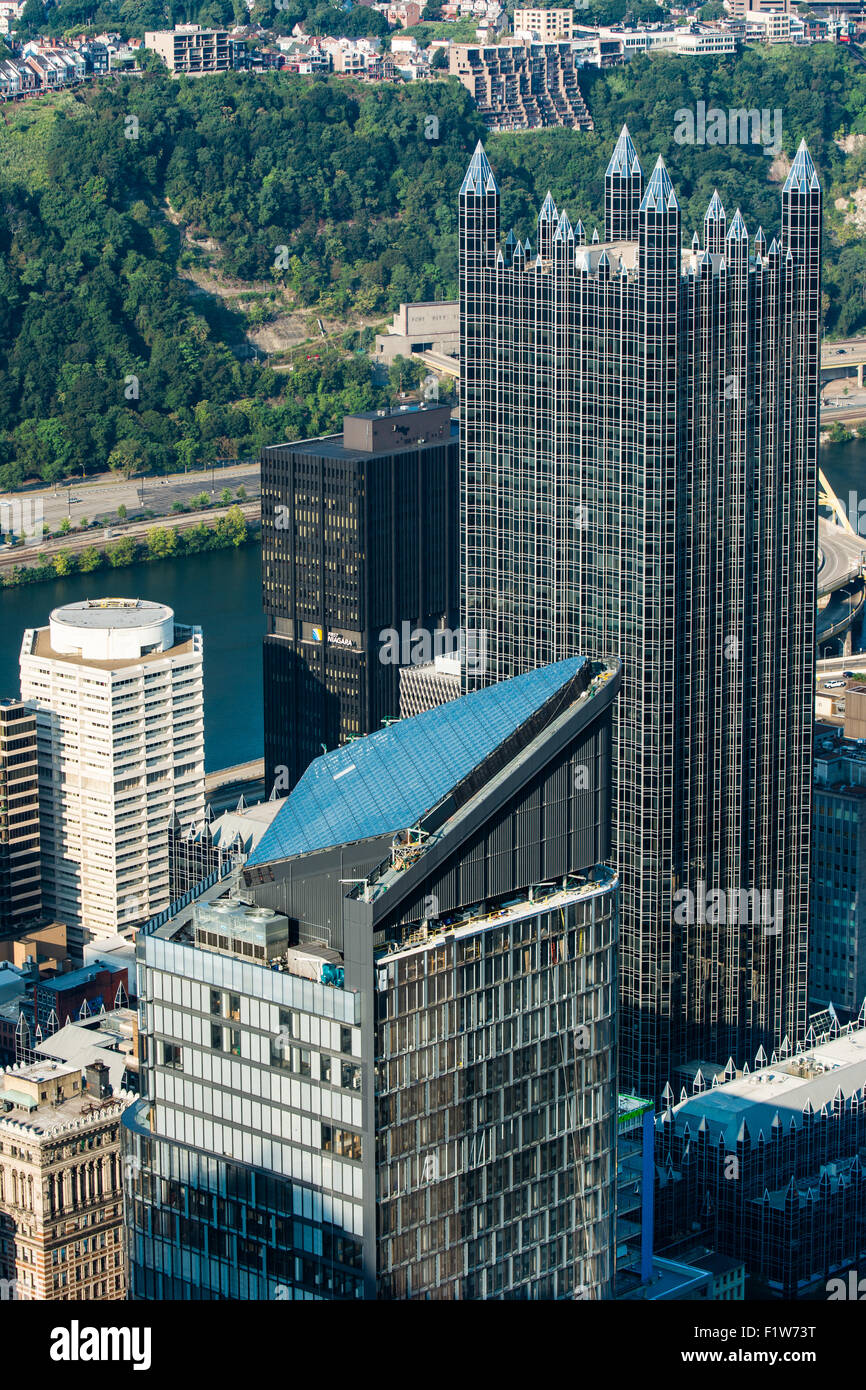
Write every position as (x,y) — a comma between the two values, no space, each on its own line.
(840,556)
(848,351)
(81,540)
(98,498)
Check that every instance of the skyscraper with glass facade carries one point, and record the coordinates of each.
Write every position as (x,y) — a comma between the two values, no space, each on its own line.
(359,539)
(639,440)
(386,1065)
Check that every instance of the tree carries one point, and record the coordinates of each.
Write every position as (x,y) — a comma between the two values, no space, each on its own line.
(65,526)
(403,373)
(226,496)
(127,457)
(440,58)
(232,527)
(63,564)
(122,553)
(122,512)
(149,61)
(838,434)
(161,543)
(89,560)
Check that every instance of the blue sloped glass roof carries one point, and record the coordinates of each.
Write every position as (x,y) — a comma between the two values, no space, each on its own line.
(388,780)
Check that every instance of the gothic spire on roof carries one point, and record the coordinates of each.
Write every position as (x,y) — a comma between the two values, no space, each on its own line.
(479,176)
(715,208)
(737,230)
(659,195)
(548,209)
(624,161)
(802,177)
(564,229)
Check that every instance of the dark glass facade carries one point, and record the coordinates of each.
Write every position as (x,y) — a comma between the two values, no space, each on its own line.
(355,541)
(639,476)
(20,859)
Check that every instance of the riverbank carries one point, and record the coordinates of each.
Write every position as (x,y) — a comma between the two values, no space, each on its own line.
(218,590)
(141,542)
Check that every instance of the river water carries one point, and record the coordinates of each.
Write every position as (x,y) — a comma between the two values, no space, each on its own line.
(220,591)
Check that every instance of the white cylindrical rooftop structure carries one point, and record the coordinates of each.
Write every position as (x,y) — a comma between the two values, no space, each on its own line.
(112,629)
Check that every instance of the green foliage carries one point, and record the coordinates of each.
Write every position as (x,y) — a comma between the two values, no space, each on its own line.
(339,173)
(838,433)
(160,543)
(89,559)
(404,373)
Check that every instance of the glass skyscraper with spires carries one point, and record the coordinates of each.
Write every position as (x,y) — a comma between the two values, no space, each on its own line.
(639,436)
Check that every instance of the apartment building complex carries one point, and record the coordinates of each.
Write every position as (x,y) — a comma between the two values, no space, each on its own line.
(518,85)
(547,25)
(192,50)
(20,862)
(117,689)
(61,1184)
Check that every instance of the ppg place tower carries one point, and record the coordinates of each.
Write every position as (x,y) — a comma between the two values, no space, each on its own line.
(639,438)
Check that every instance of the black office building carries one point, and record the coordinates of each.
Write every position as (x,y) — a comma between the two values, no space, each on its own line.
(359,540)
(639,443)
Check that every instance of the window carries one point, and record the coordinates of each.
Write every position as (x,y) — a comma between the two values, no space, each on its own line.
(341,1141)
(172,1056)
(346,1040)
(350,1076)
(216,1036)
(216,1003)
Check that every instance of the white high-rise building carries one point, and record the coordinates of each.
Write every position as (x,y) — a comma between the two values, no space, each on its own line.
(117,686)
